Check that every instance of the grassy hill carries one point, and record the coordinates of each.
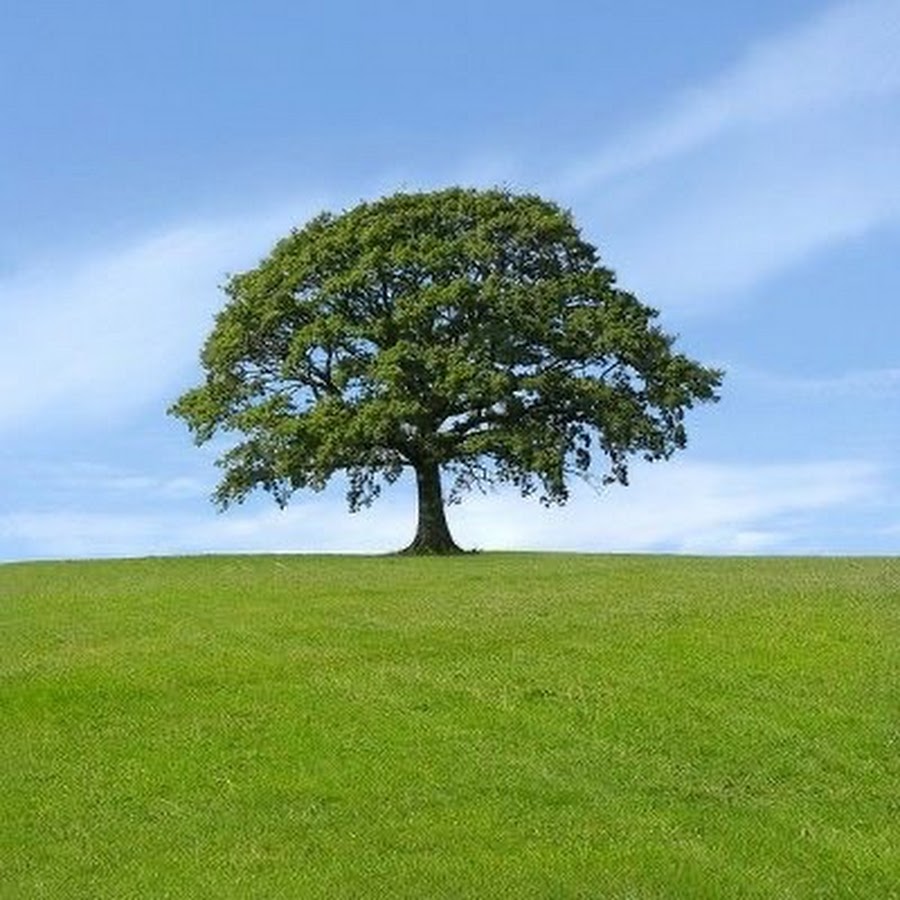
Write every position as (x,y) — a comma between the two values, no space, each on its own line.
(499,725)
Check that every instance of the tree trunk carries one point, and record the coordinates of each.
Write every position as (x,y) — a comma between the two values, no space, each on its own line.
(432,534)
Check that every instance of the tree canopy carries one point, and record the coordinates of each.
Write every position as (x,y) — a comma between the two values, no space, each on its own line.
(465,335)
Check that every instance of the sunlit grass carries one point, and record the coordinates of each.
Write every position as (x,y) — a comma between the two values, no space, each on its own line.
(487,726)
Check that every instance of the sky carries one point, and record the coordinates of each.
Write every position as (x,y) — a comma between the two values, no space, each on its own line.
(737,165)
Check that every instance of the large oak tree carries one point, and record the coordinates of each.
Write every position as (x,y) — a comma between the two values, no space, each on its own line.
(459,333)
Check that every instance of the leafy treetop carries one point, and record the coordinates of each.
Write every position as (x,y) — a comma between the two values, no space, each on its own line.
(473,333)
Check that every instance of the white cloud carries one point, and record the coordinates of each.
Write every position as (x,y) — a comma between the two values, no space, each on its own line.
(858,383)
(793,150)
(87,339)
(846,55)
(102,480)
(759,208)
(679,507)
(311,525)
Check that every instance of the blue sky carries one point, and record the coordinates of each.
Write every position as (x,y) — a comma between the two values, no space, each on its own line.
(737,164)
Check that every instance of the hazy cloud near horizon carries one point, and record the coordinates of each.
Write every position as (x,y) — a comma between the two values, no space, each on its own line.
(683,507)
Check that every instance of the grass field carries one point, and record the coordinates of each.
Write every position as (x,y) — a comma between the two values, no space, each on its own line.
(497,725)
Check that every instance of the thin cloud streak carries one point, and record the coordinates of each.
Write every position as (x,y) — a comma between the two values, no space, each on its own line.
(88,339)
(698,255)
(846,55)
(855,384)
(794,150)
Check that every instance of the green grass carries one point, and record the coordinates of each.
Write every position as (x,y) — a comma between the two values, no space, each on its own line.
(498,725)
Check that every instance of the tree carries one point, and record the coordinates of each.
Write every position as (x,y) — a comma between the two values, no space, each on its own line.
(460,332)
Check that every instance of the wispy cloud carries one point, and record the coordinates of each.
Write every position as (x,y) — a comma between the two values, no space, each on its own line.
(855,384)
(684,507)
(89,338)
(86,340)
(845,55)
(103,481)
(681,507)
(761,208)
(312,524)
(796,148)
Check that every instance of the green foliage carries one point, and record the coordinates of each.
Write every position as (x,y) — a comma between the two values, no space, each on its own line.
(473,332)
(509,725)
